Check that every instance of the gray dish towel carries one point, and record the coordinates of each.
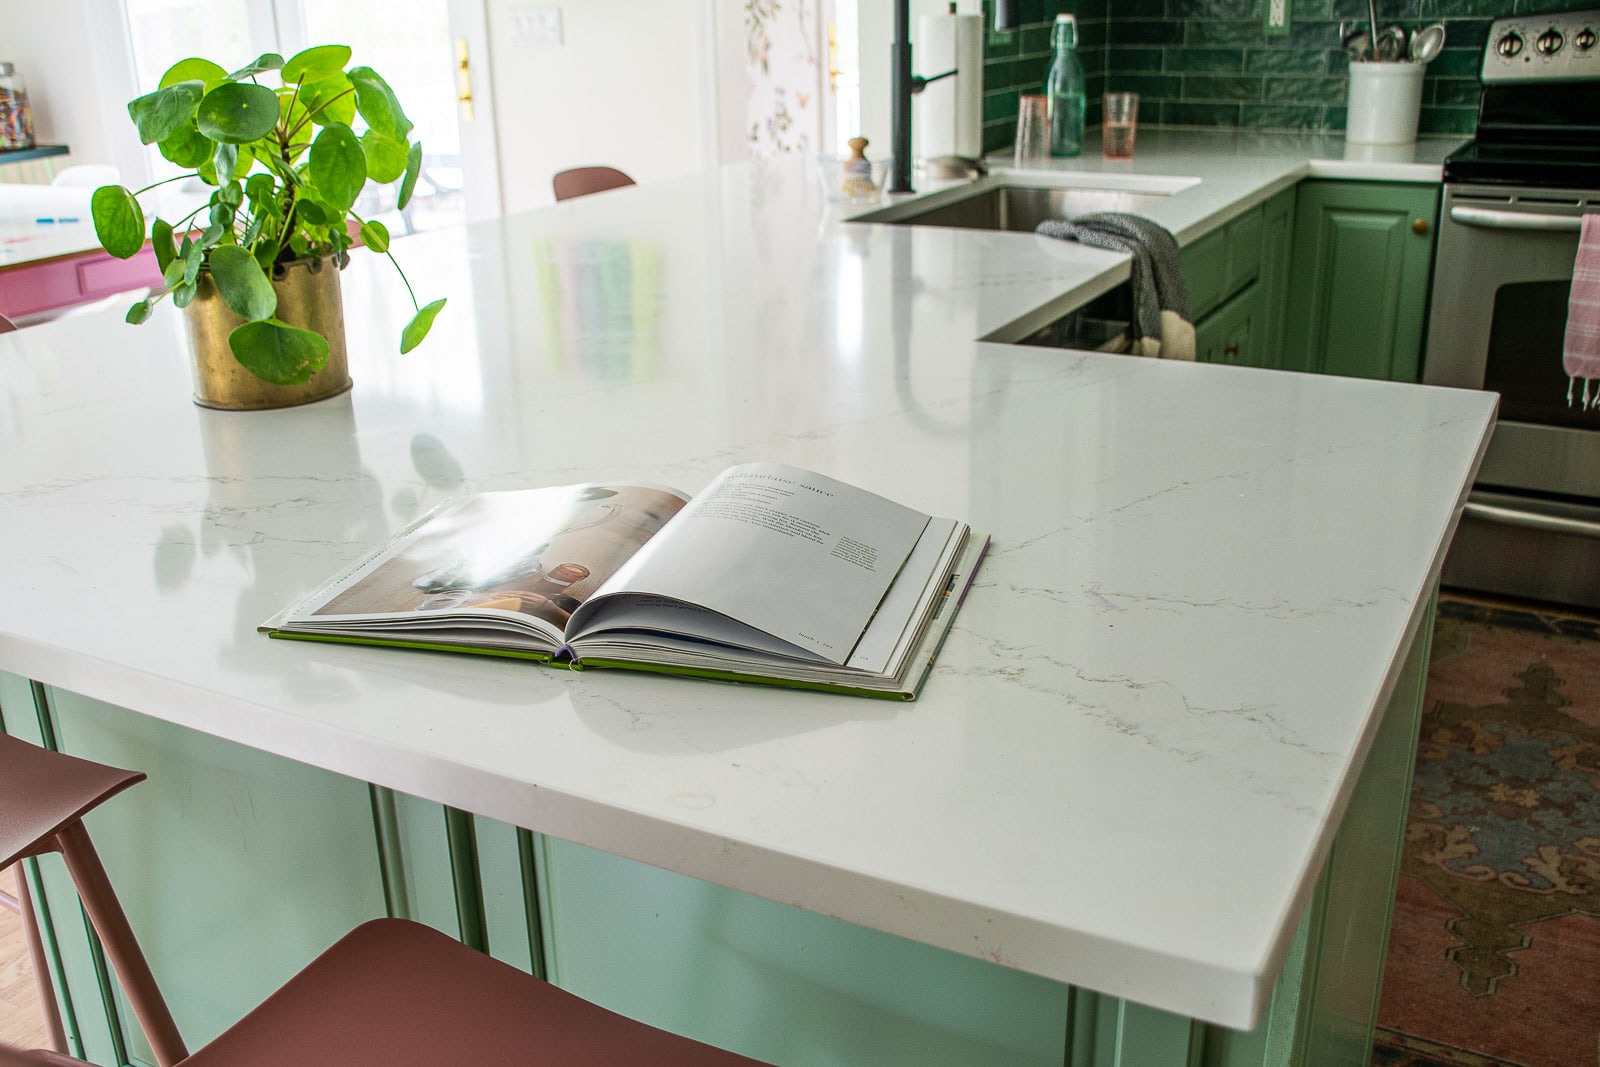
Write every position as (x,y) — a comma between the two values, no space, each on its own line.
(1157,276)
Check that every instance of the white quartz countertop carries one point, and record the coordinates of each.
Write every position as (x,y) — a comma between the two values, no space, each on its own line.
(1140,736)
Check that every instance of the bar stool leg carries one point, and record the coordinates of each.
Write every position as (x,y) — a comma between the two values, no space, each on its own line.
(111,923)
(41,966)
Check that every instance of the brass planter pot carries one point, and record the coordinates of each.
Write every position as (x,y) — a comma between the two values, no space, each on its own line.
(308,297)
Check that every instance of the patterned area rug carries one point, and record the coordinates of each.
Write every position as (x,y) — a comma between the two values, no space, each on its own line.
(1495,955)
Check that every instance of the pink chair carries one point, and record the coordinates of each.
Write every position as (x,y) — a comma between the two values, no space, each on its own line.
(581,181)
(391,993)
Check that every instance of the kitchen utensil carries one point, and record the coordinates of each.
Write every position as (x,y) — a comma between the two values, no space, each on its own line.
(1372,25)
(1391,44)
(1358,44)
(1427,42)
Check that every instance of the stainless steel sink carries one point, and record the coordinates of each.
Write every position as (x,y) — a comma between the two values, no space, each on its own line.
(1009,205)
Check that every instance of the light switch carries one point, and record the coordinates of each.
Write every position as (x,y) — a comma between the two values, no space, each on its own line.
(535,25)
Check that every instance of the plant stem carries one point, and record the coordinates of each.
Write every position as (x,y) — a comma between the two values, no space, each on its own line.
(166,181)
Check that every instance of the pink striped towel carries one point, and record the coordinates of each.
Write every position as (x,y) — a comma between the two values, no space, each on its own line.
(1581,350)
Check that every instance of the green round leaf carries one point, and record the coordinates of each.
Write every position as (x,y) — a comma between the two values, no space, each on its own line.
(386,157)
(200,70)
(277,352)
(172,274)
(418,327)
(318,62)
(338,167)
(182,294)
(160,114)
(263,63)
(187,146)
(138,312)
(375,235)
(312,213)
(118,221)
(161,243)
(241,284)
(224,162)
(413,171)
(238,112)
(330,99)
(378,104)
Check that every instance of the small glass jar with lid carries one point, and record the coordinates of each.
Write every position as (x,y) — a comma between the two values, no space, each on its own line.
(16,121)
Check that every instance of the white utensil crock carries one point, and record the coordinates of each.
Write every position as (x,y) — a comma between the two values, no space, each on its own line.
(1385,99)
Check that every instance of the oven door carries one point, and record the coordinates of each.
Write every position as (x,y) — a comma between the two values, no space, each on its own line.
(1502,276)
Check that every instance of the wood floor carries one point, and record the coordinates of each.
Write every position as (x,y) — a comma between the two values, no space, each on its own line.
(21,1021)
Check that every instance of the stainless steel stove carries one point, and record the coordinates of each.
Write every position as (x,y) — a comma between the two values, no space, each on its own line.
(1514,199)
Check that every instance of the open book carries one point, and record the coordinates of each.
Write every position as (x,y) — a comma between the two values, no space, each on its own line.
(772,574)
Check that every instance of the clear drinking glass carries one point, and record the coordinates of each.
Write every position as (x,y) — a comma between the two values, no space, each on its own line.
(1033,128)
(1118,124)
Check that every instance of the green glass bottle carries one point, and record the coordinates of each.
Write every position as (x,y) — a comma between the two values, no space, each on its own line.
(1064,87)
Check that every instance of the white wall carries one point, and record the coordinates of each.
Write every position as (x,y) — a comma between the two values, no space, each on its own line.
(55,46)
(625,89)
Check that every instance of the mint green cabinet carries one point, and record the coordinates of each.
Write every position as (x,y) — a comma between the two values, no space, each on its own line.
(1358,291)
(1237,276)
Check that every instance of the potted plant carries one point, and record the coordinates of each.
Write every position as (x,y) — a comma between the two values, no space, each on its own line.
(285,168)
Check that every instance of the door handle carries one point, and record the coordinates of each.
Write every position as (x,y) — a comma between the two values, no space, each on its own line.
(463,80)
(1490,219)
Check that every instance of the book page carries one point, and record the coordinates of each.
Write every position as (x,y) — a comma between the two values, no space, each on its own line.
(534,553)
(795,554)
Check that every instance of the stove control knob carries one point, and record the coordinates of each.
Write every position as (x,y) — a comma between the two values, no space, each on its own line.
(1549,42)
(1584,40)
(1510,45)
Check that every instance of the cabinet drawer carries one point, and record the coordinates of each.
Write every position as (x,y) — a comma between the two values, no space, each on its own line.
(1205,268)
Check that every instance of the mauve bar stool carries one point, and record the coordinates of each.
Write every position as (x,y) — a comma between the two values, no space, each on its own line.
(581,181)
(391,993)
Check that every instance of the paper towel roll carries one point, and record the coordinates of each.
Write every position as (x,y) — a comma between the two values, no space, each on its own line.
(949,112)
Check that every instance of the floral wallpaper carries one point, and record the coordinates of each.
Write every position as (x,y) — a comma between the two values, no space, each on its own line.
(781,73)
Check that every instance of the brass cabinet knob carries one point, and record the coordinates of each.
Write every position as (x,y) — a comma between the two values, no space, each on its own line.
(1419,227)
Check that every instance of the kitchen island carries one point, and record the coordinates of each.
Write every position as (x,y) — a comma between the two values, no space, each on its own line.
(1186,676)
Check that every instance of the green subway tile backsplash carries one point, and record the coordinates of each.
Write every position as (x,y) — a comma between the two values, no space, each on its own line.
(1207,63)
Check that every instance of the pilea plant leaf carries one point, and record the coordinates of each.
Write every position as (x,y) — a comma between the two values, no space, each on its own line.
(161,243)
(329,99)
(237,112)
(186,146)
(183,294)
(413,171)
(386,157)
(375,235)
(338,167)
(118,221)
(417,329)
(262,63)
(377,103)
(276,352)
(316,62)
(192,69)
(139,312)
(241,284)
(160,114)
(223,162)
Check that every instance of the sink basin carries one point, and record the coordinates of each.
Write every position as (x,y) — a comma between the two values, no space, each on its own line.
(1008,205)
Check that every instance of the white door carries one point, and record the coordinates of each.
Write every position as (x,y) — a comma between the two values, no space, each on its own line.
(433,52)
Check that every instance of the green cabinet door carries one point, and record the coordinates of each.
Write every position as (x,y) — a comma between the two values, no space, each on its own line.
(1232,333)
(1358,288)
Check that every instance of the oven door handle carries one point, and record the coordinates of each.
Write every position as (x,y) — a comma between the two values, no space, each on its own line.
(1490,219)
(1531,520)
